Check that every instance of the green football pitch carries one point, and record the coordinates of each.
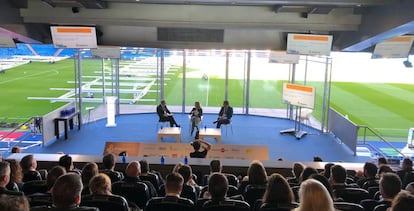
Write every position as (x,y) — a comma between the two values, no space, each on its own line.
(386,108)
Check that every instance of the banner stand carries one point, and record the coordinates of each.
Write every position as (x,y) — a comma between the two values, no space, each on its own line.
(297,131)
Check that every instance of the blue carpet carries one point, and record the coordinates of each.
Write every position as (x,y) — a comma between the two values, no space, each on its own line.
(247,130)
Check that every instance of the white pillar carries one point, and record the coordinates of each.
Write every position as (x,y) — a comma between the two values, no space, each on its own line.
(110,111)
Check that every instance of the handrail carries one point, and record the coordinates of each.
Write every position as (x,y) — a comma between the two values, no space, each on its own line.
(380,137)
(15,129)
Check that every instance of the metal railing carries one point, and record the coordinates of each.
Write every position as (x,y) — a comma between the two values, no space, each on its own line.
(365,128)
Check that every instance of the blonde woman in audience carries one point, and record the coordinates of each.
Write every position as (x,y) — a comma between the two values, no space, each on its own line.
(100,184)
(313,196)
(404,201)
(88,171)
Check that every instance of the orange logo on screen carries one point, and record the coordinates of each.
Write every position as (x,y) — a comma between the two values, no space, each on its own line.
(222,149)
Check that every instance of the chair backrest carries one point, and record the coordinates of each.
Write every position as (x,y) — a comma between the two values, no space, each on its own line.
(43,199)
(233,180)
(153,178)
(169,204)
(136,192)
(228,204)
(113,175)
(382,207)
(49,208)
(105,202)
(189,192)
(253,192)
(354,195)
(348,206)
(34,186)
(278,207)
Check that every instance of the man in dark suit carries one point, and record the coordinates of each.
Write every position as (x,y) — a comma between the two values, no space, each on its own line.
(165,115)
(225,114)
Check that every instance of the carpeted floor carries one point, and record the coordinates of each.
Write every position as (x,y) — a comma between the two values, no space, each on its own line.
(247,130)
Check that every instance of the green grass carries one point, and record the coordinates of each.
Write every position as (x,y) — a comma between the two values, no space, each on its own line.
(386,108)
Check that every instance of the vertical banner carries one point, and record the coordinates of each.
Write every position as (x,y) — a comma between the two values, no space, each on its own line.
(299,95)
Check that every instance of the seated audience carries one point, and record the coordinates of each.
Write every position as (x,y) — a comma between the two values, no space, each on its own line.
(325,182)
(16,176)
(133,171)
(190,188)
(29,165)
(382,161)
(173,186)
(13,203)
(53,174)
(389,187)
(197,145)
(278,191)
(383,169)
(66,194)
(108,161)
(306,173)
(410,188)
(66,162)
(216,167)
(402,202)
(100,184)
(5,179)
(369,179)
(406,173)
(147,175)
(297,170)
(88,171)
(338,181)
(16,149)
(327,170)
(313,196)
(256,176)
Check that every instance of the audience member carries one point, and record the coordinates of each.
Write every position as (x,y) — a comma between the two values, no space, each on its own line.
(218,187)
(278,191)
(53,174)
(177,166)
(215,166)
(297,170)
(108,162)
(406,174)
(306,173)
(403,202)
(195,117)
(66,193)
(173,187)
(29,165)
(325,182)
(383,169)
(100,184)
(382,161)
(313,196)
(67,163)
(225,114)
(147,175)
(338,181)
(13,203)
(327,170)
(16,176)
(190,188)
(16,149)
(389,187)
(410,188)
(132,173)
(197,144)
(256,175)
(369,179)
(5,179)
(165,115)
(88,171)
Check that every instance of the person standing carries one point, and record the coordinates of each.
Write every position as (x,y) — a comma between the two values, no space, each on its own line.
(165,115)
(195,115)
(225,114)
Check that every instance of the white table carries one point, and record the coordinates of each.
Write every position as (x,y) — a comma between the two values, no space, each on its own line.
(210,133)
(170,131)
